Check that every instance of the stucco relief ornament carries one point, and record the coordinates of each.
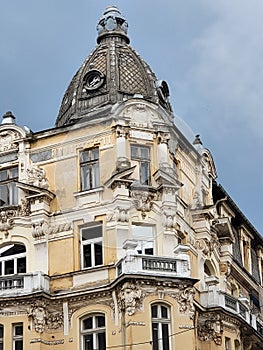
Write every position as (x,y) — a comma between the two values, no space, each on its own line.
(55,321)
(185,299)
(211,330)
(169,218)
(143,201)
(37,177)
(39,229)
(6,221)
(7,140)
(39,315)
(129,298)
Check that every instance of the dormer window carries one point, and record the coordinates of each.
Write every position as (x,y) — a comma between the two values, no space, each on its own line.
(8,189)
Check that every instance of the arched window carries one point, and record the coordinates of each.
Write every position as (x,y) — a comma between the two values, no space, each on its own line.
(161,327)
(93,332)
(12,259)
(237,345)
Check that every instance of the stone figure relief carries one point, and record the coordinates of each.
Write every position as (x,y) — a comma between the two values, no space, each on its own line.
(185,299)
(39,315)
(37,177)
(8,140)
(211,329)
(129,298)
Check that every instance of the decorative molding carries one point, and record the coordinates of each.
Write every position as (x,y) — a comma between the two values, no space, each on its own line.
(129,298)
(39,315)
(55,321)
(9,140)
(211,329)
(143,199)
(7,220)
(37,177)
(185,299)
(40,229)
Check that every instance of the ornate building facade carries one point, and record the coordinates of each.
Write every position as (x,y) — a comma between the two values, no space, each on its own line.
(114,233)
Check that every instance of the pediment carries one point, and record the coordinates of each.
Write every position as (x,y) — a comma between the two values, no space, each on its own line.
(142,114)
(10,135)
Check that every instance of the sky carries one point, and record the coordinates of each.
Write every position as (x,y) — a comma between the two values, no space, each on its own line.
(209,52)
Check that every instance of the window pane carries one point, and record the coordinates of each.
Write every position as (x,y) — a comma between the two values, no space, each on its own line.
(154,311)
(21,265)
(1,345)
(94,154)
(87,323)
(145,153)
(1,331)
(19,345)
(3,175)
(145,173)
(19,330)
(13,194)
(85,178)
(101,341)
(13,172)
(4,195)
(91,232)
(88,342)
(164,312)
(9,267)
(87,255)
(155,336)
(165,336)
(100,321)
(98,253)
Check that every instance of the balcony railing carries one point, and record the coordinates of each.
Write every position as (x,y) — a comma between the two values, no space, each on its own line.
(23,284)
(154,265)
(214,297)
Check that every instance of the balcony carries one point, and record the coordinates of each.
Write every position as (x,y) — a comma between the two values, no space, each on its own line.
(23,284)
(134,263)
(214,298)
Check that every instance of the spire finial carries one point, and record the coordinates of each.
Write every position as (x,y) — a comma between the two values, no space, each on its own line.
(112,23)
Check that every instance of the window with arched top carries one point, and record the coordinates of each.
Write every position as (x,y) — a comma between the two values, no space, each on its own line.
(161,327)
(93,332)
(12,259)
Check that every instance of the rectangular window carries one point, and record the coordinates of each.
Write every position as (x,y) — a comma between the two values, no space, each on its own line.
(91,246)
(8,189)
(18,336)
(89,169)
(140,156)
(144,236)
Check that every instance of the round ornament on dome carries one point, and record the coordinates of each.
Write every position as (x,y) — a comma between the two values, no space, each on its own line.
(93,80)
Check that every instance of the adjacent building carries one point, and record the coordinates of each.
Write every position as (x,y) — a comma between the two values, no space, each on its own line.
(114,233)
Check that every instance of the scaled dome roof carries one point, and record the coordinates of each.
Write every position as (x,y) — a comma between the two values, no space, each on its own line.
(112,73)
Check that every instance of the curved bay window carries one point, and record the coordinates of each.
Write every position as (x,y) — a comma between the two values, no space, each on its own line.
(12,259)
(161,322)
(93,332)
(8,189)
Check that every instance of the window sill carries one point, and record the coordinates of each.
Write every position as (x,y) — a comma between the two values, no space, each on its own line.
(87,192)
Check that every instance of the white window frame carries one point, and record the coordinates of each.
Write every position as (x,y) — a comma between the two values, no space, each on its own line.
(92,242)
(160,321)
(17,337)
(89,169)
(94,331)
(139,160)
(10,184)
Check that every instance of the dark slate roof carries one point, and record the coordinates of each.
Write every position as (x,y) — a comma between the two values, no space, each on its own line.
(112,73)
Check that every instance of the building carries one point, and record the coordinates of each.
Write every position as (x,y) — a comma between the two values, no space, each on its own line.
(114,233)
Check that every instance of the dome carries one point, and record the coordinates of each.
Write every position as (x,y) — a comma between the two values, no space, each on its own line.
(113,72)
